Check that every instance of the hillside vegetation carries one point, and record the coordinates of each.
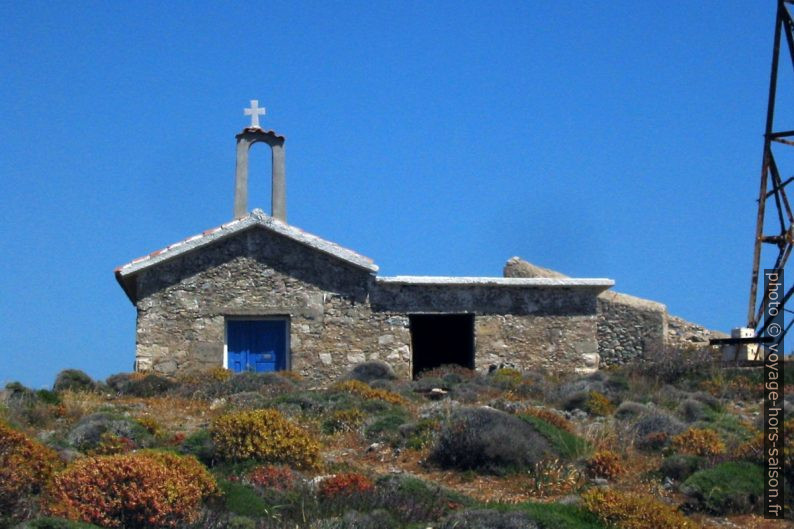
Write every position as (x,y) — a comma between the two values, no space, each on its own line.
(673,444)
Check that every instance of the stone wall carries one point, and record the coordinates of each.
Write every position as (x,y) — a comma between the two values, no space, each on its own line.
(339,315)
(629,328)
(682,333)
(183,304)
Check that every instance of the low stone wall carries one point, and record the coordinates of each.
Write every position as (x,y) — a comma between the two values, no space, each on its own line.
(682,333)
(629,328)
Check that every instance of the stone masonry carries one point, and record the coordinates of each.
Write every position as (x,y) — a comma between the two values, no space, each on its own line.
(340,313)
(628,328)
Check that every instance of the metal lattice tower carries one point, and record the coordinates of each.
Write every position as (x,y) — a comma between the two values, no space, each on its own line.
(780,232)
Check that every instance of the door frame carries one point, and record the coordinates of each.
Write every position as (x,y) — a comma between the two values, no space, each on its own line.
(269,317)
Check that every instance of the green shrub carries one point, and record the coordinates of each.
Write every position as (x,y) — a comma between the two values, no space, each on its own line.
(243,500)
(560,516)
(680,467)
(241,522)
(566,444)
(386,427)
(732,487)
(491,441)
(200,445)
(73,380)
(264,435)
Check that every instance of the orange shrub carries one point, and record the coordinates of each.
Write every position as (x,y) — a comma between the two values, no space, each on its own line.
(25,466)
(605,464)
(699,442)
(364,391)
(110,444)
(633,510)
(552,418)
(272,477)
(146,489)
(345,486)
(599,404)
(264,435)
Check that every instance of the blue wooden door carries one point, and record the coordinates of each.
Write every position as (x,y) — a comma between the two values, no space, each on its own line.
(256,345)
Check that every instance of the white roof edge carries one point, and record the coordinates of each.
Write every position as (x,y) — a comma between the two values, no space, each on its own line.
(256,217)
(498,281)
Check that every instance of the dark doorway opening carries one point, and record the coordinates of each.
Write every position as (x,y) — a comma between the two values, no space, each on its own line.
(439,339)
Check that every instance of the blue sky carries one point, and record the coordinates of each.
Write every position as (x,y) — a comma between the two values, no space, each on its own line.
(602,139)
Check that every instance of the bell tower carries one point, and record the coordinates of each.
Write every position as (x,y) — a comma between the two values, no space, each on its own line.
(255,134)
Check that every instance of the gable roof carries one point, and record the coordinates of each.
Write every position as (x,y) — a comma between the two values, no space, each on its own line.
(125,273)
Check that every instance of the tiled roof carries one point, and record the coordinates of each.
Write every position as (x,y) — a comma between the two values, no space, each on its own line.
(256,218)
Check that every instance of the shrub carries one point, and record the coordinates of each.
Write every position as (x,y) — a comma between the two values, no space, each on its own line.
(411,499)
(139,384)
(562,441)
(699,442)
(505,378)
(386,427)
(373,370)
(110,444)
(54,523)
(342,486)
(488,440)
(74,380)
(599,404)
(87,434)
(243,500)
(419,434)
(553,478)
(200,445)
(140,490)
(605,464)
(732,487)
(247,400)
(560,516)
(488,519)
(751,450)
(630,410)
(680,467)
(264,435)
(266,383)
(377,519)
(151,425)
(692,410)
(25,466)
(550,417)
(344,420)
(275,477)
(633,510)
(364,391)
(674,363)
(654,427)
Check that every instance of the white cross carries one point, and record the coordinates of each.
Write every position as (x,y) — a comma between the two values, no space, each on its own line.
(254,112)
